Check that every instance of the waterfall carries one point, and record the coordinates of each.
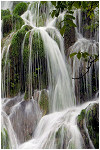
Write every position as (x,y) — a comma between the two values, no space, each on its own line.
(6,124)
(58,75)
(7,5)
(42,114)
(58,131)
(90,46)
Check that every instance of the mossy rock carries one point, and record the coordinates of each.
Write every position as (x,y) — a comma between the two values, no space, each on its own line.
(92,122)
(5,13)
(37,45)
(11,23)
(20,8)
(81,116)
(5,143)
(17,41)
(90,115)
(17,22)
(7,24)
(16,61)
(26,51)
(44,103)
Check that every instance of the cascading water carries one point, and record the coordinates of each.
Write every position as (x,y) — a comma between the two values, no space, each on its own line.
(58,128)
(58,131)
(89,46)
(6,126)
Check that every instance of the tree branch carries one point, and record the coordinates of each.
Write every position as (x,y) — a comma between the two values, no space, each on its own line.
(87,68)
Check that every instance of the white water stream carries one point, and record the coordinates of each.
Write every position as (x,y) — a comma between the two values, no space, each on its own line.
(63,122)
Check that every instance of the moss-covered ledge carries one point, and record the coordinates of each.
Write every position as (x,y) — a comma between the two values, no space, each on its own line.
(90,117)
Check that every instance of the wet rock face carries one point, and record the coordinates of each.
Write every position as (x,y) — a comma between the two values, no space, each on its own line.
(92,123)
(24,118)
(69,39)
(8,104)
(43,100)
(88,123)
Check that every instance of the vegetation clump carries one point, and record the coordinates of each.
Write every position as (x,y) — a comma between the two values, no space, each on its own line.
(44,104)
(5,143)
(11,22)
(20,8)
(90,115)
(5,13)
(15,60)
(37,44)
(7,24)
(93,124)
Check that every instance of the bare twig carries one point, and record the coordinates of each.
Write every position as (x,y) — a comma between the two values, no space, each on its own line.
(91,62)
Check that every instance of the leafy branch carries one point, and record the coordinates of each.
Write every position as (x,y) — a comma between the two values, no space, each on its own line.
(89,66)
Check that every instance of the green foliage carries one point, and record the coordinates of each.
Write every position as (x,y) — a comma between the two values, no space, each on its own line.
(26,51)
(17,41)
(54,3)
(5,13)
(37,45)
(93,124)
(62,31)
(81,116)
(11,22)
(7,24)
(72,54)
(43,2)
(78,55)
(17,22)
(15,59)
(84,55)
(68,6)
(4,139)
(20,8)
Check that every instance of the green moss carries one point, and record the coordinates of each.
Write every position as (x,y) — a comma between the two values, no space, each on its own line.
(82,115)
(5,13)
(11,23)
(93,124)
(7,24)
(37,45)
(17,41)
(26,51)
(91,116)
(20,8)
(17,22)
(15,59)
(44,104)
(26,95)
(4,139)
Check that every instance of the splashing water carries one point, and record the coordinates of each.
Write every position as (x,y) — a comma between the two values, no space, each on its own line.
(58,130)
